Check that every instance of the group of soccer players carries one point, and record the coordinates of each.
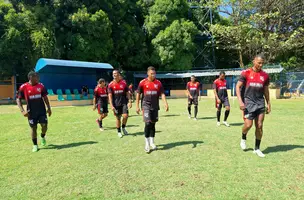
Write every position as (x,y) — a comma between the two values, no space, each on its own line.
(251,90)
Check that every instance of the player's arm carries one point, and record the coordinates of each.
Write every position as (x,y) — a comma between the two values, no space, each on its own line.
(266,94)
(94,103)
(165,102)
(239,85)
(129,99)
(215,93)
(47,103)
(188,92)
(137,102)
(20,106)
(200,88)
(111,100)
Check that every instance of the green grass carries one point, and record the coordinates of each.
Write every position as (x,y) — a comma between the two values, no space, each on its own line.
(196,160)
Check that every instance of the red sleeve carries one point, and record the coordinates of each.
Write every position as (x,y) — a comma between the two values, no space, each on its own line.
(266,83)
(110,90)
(187,87)
(95,92)
(44,92)
(161,88)
(126,88)
(243,77)
(214,85)
(140,88)
(20,94)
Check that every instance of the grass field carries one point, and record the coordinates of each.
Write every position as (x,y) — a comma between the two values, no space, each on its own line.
(195,160)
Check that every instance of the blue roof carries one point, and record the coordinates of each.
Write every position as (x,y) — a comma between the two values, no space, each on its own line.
(44,62)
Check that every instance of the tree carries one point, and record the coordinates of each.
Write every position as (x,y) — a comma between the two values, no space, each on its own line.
(175,45)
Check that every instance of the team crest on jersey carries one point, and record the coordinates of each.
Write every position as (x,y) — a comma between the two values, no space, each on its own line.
(147,86)
(156,86)
(251,77)
(262,78)
(121,86)
(38,89)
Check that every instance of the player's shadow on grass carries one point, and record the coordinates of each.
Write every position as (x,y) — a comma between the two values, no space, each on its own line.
(112,128)
(176,144)
(236,124)
(140,133)
(206,118)
(282,148)
(70,145)
(171,115)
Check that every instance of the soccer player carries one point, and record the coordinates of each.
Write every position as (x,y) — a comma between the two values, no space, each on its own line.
(221,98)
(256,91)
(151,89)
(36,98)
(193,92)
(131,91)
(120,102)
(100,101)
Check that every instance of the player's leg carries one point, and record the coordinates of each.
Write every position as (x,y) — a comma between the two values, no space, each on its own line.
(118,113)
(218,114)
(189,107)
(246,127)
(195,101)
(154,119)
(147,130)
(34,137)
(44,127)
(259,133)
(125,116)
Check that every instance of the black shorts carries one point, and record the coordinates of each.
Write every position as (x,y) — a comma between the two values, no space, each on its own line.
(224,102)
(193,101)
(41,119)
(102,108)
(150,115)
(120,110)
(253,114)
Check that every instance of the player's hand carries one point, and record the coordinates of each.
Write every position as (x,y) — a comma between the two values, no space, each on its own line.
(191,97)
(137,110)
(112,108)
(218,101)
(94,107)
(242,106)
(166,108)
(268,109)
(49,111)
(25,113)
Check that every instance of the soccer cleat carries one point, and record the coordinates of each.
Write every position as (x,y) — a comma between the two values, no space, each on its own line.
(154,147)
(218,123)
(119,134)
(43,142)
(226,123)
(189,116)
(259,153)
(35,148)
(125,132)
(101,129)
(195,119)
(243,144)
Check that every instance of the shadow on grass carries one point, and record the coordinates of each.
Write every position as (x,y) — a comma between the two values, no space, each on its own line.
(282,148)
(206,118)
(140,133)
(64,146)
(112,128)
(172,115)
(176,144)
(236,124)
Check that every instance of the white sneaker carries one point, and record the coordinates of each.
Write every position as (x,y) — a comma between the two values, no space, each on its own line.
(101,129)
(119,134)
(218,123)
(154,147)
(226,123)
(189,116)
(243,144)
(259,153)
(125,132)
(195,119)
(147,149)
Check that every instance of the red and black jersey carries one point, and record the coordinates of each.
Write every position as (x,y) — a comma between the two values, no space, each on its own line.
(254,88)
(101,95)
(33,94)
(119,92)
(151,91)
(193,88)
(221,88)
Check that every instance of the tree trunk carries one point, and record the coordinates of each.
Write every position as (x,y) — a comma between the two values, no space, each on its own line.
(241,59)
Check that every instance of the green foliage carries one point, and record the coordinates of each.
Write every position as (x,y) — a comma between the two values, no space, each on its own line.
(175,46)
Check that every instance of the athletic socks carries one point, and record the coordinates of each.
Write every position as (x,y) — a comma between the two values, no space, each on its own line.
(42,135)
(123,126)
(35,141)
(119,130)
(226,114)
(218,115)
(189,110)
(244,136)
(195,111)
(100,123)
(257,144)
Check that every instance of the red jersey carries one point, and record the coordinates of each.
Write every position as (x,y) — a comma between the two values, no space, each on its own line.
(254,88)
(151,91)
(221,88)
(193,88)
(119,92)
(101,95)
(33,95)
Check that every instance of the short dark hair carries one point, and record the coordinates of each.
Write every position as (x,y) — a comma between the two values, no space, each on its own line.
(150,68)
(101,80)
(260,55)
(193,76)
(115,70)
(222,72)
(31,74)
